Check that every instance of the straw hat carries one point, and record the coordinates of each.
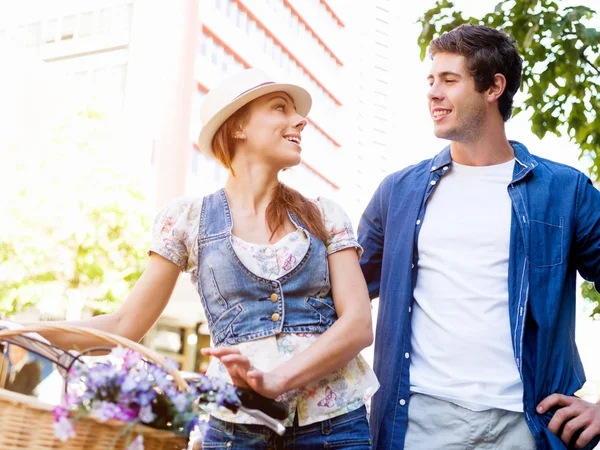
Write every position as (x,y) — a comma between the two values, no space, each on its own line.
(234,92)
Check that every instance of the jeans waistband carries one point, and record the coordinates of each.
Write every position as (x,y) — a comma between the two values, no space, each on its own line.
(325,426)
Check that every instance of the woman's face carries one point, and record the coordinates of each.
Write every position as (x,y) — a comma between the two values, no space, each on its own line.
(273,131)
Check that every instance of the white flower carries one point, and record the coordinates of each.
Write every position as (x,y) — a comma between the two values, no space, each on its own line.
(137,444)
(63,429)
(119,353)
(146,415)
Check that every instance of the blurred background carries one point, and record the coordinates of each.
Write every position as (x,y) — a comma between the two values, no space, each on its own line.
(99,114)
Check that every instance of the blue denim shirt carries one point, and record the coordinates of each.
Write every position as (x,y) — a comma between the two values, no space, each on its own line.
(555,232)
(241,306)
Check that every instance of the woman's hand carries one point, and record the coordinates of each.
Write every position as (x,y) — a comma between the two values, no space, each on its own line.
(243,374)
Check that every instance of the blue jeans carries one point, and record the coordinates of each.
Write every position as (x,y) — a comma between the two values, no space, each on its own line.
(348,431)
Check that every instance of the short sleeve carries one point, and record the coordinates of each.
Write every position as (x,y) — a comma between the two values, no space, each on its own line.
(175,232)
(339,228)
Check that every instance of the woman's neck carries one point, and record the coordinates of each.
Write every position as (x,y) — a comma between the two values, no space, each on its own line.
(251,191)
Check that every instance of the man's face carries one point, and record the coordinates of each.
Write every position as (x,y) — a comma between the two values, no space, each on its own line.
(458,111)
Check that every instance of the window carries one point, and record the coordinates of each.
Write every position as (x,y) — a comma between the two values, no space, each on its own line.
(86,24)
(104,19)
(50,31)
(121,18)
(34,35)
(68,28)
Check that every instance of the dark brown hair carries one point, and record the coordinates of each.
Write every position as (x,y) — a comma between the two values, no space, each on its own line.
(285,199)
(488,51)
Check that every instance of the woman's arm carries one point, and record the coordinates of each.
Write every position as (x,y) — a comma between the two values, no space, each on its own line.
(136,315)
(342,342)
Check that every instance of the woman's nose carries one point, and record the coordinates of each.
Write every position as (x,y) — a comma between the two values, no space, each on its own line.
(300,122)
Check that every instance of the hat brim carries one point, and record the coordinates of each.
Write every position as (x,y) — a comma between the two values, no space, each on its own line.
(300,96)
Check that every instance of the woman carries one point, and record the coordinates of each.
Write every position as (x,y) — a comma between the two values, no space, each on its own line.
(278,275)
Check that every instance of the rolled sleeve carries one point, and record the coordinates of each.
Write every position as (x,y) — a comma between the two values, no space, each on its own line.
(175,231)
(339,227)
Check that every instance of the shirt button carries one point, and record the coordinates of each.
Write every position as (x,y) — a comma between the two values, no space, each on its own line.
(412,266)
(409,309)
(433,168)
(402,402)
(445,167)
(433,182)
(406,355)
(419,222)
(275,317)
(274,297)
(268,251)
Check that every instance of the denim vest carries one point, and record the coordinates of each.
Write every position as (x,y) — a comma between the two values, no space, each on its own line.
(241,306)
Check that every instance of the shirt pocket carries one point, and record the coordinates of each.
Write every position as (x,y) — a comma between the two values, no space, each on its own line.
(546,243)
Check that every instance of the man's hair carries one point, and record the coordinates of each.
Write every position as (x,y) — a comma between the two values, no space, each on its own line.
(488,52)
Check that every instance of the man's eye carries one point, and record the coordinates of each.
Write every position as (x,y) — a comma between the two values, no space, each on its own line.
(280,107)
(450,81)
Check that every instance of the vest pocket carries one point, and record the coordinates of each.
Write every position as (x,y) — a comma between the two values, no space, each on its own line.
(546,243)
(324,308)
(223,325)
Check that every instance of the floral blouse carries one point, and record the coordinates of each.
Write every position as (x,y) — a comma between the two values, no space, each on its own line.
(175,237)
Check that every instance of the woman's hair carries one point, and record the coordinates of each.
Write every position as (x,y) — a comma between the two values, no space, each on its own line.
(285,199)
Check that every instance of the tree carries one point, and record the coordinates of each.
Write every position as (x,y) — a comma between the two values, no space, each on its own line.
(561,70)
(75,226)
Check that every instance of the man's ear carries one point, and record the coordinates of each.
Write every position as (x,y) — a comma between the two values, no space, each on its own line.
(496,90)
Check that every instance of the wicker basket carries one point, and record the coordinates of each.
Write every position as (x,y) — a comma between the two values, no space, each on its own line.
(26,423)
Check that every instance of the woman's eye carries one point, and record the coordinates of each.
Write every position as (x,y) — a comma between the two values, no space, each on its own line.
(280,107)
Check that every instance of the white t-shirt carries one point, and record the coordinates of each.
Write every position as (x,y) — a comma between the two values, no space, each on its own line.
(461,342)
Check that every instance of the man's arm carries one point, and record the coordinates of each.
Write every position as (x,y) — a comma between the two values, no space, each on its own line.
(371,238)
(587,231)
(574,414)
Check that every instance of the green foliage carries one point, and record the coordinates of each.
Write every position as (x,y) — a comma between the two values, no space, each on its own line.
(75,226)
(590,294)
(561,72)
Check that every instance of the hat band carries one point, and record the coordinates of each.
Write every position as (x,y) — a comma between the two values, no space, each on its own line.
(255,87)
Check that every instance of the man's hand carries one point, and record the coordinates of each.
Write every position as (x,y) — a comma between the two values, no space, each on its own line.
(573,414)
(243,374)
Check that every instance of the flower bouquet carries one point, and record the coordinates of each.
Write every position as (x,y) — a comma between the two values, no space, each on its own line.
(133,399)
(124,387)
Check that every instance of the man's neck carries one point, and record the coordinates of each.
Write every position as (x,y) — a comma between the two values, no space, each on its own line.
(489,149)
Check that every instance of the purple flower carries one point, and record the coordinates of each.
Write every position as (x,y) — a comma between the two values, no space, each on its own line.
(180,401)
(63,429)
(106,411)
(60,412)
(145,398)
(171,365)
(132,359)
(146,415)
(129,384)
(160,378)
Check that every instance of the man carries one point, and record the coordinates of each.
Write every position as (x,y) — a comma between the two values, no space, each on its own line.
(474,255)
(24,375)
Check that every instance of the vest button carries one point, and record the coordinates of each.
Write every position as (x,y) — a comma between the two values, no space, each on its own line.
(274,297)
(275,317)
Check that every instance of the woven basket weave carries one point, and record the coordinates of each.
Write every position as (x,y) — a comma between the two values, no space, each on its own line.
(26,423)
